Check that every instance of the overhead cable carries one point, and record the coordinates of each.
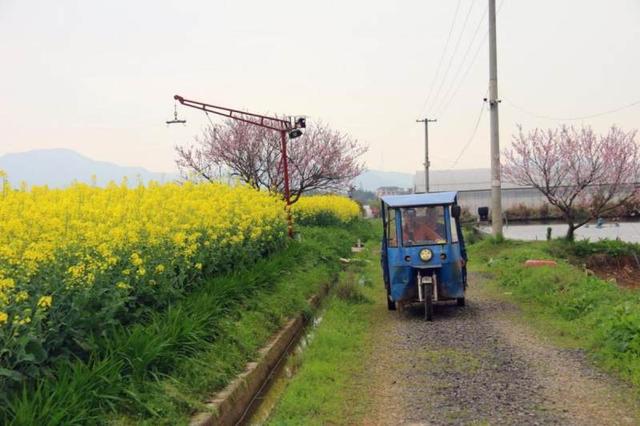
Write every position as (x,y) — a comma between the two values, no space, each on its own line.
(457,74)
(473,135)
(445,106)
(455,50)
(446,45)
(583,117)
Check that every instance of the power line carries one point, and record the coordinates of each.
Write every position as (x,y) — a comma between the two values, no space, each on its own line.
(455,50)
(446,45)
(465,56)
(464,75)
(584,117)
(468,70)
(475,130)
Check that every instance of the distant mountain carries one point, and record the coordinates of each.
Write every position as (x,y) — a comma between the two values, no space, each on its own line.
(374,179)
(60,167)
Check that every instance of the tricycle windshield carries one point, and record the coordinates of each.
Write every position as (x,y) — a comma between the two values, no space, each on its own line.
(423,226)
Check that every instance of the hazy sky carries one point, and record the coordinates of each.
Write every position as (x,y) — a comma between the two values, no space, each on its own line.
(98,76)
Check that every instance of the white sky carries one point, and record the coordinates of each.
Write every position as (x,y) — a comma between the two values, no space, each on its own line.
(98,76)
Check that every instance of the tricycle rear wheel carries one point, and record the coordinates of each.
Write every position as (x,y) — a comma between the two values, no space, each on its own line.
(391,305)
(428,302)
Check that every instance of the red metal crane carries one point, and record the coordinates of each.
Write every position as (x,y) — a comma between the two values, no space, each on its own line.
(284,127)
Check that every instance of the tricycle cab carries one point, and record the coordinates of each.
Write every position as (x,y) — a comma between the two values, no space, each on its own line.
(423,243)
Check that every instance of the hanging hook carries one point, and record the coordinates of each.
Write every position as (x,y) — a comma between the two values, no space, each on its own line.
(175,115)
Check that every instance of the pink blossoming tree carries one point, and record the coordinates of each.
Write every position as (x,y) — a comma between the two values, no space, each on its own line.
(583,174)
(321,159)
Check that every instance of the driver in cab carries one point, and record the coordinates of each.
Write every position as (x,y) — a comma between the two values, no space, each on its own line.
(420,228)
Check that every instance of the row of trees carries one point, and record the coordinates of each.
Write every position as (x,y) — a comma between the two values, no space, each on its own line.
(583,174)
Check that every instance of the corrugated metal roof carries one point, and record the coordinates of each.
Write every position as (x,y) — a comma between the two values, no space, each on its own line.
(432,198)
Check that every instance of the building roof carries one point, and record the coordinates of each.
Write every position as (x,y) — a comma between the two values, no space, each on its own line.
(432,198)
(458,180)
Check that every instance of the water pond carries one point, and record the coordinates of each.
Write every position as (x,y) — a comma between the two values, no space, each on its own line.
(625,231)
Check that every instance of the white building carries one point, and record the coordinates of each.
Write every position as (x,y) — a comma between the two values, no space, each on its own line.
(474,188)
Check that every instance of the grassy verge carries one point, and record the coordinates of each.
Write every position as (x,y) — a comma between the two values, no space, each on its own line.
(328,388)
(576,308)
(157,372)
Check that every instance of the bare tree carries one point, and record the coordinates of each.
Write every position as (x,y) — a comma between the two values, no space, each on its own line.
(583,174)
(321,159)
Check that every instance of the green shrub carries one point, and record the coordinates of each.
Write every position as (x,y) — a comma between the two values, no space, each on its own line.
(614,248)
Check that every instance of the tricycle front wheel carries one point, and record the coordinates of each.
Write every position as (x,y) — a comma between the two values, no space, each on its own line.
(428,302)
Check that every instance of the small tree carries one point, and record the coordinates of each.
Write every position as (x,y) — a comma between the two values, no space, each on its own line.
(583,174)
(321,159)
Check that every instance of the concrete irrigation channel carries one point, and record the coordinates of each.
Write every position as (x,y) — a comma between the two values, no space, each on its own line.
(265,400)
(249,398)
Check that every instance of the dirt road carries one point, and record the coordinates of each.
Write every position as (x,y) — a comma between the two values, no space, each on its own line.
(480,365)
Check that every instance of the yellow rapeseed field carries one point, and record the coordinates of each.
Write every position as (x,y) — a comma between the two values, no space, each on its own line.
(312,209)
(75,261)
(138,241)
(98,226)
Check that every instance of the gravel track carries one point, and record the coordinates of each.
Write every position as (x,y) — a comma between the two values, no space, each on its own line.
(478,365)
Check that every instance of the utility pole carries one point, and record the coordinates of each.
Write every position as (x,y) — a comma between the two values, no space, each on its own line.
(426,122)
(496,188)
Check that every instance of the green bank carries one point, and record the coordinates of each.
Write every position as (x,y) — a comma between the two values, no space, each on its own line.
(329,386)
(568,302)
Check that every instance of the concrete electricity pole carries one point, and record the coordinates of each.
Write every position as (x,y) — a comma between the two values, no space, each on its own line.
(426,122)
(496,189)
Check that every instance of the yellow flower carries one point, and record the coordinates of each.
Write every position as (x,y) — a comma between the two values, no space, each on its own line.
(136,259)
(7,284)
(45,302)
(198,266)
(160,268)
(122,285)
(23,321)
(21,296)
(3,317)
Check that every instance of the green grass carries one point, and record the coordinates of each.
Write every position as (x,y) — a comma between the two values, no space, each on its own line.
(327,388)
(563,301)
(159,371)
